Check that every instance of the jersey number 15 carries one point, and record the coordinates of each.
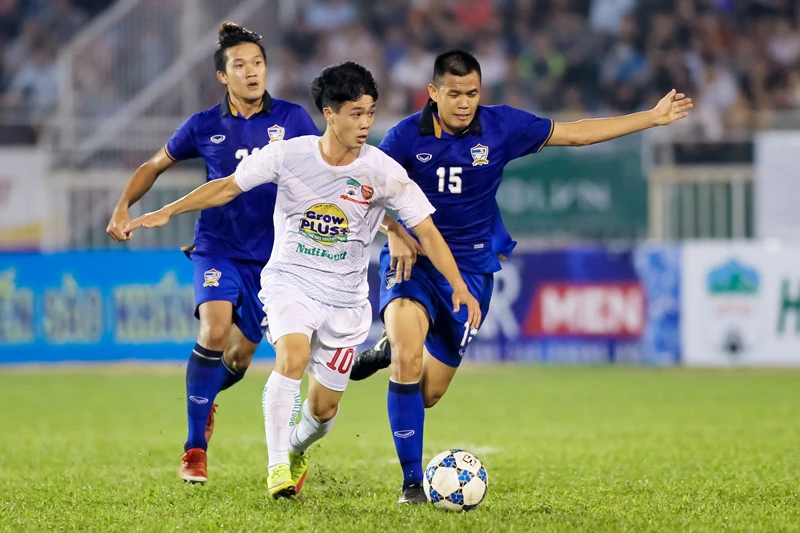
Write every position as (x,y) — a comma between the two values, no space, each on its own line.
(454,181)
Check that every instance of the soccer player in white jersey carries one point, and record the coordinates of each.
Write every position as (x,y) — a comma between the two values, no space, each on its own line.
(333,192)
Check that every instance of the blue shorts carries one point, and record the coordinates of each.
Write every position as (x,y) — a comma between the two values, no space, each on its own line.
(448,335)
(228,280)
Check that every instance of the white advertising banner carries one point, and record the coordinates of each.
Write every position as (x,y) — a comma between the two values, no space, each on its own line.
(777,184)
(740,304)
(23,197)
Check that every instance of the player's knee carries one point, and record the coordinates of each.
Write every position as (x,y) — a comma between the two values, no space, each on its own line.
(323,411)
(214,335)
(239,358)
(406,360)
(292,367)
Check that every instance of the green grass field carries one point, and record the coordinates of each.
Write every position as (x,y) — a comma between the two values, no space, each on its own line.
(567,449)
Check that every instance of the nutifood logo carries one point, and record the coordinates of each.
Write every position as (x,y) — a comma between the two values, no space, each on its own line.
(325,224)
(319,252)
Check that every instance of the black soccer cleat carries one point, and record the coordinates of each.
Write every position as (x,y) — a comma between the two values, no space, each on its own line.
(372,359)
(413,494)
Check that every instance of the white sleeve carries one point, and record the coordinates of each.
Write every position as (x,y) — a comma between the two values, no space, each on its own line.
(406,198)
(261,167)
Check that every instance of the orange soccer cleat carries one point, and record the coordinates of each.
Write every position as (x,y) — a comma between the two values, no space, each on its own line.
(194,466)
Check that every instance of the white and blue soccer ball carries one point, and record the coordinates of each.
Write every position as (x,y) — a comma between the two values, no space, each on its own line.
(455,480)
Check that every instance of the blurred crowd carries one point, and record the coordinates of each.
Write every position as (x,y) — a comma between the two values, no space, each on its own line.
(739,59)
(31,34)
(573,57)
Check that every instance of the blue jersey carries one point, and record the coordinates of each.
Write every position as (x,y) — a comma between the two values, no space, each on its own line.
(243,228)
(460,174)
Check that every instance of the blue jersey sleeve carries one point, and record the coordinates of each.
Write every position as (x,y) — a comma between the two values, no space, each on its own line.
(182,145)
(527,133)
(393,145)
(304,124)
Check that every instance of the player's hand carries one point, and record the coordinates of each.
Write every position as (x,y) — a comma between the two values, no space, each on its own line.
(462,296)
(403,249)
(156,219)
(116,226)
(674,106)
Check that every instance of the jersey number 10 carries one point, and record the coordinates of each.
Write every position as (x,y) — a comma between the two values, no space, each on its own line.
(454,181)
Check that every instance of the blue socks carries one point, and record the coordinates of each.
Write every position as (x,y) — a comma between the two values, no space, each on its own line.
(205,375)
(407,420)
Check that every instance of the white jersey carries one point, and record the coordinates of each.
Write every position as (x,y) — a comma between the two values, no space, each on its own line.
(326,216)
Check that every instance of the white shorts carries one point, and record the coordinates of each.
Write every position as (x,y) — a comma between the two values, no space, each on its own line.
(334,332)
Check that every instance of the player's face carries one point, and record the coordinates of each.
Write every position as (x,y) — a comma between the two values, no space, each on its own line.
(245,72)
(457,98)
(351,124)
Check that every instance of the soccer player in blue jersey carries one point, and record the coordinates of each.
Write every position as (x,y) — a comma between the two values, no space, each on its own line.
(233,242)
(455,149)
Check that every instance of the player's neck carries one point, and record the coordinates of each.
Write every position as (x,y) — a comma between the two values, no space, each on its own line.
(244,108)
(334,152)
(447,129)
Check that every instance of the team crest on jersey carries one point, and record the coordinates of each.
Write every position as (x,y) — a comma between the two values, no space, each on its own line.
(325,224)
(211,278)
(391,279)
(216,139)
(276,133)
(353,190)
(480,155)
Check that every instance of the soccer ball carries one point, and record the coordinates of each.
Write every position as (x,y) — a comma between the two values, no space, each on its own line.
(455,480)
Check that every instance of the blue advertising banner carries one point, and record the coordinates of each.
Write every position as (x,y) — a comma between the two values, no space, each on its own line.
(581,305)
(97,306)
(570,306)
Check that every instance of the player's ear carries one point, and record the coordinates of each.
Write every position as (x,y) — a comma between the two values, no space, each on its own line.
(327,112)
(222,78)
(432,92)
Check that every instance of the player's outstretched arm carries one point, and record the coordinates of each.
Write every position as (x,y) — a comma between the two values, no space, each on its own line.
(403,248)
(442,258)
(212,194)
(674,106)
(141,181)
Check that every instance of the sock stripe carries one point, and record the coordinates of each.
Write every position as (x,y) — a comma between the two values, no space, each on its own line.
(229,369)
(403,388)
(206,353)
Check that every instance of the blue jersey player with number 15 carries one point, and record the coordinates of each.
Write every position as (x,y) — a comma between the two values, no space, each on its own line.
(233,242)
(455,150)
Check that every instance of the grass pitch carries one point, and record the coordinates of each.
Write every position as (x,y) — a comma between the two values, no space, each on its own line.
(567,449)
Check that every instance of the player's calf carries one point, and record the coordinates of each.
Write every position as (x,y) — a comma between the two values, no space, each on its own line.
(436,379)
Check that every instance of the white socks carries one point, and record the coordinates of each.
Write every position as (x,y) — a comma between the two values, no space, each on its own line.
(309,430)
(280,401)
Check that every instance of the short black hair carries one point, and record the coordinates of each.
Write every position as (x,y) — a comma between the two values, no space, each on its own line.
(345,82)
(456,62)
(231,35)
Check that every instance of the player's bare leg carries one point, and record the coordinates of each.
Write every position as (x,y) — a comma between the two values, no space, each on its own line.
(436,378)
(202,385)
(319,413)
(406,328)
(279,401)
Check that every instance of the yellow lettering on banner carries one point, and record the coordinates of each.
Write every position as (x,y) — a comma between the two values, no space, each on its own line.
(72,314)
(16,311)
(150,313)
